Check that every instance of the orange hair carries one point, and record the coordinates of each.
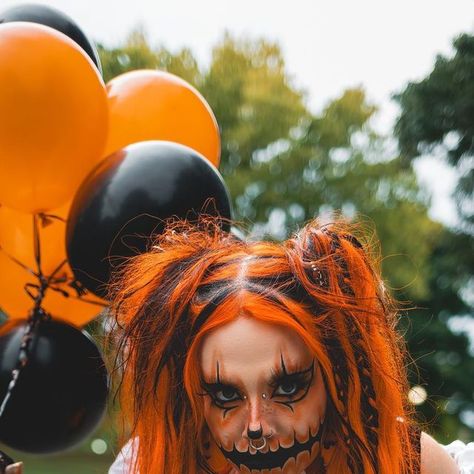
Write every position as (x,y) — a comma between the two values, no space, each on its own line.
(320,283)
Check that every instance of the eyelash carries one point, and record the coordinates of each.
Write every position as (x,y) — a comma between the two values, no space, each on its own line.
(213,389)
(300,382)
(302,387)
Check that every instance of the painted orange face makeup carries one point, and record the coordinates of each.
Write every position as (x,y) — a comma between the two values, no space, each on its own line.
(264,397)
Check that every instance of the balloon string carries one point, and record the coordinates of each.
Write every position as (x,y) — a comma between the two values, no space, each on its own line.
(15,260)
(51,280)
(36,316)
(73,284)
(43,281)
(81,298)
(36,244)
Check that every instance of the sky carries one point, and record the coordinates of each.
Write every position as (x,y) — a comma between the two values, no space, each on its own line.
(328,45)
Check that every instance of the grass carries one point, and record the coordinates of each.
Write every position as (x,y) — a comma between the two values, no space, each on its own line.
(75,462)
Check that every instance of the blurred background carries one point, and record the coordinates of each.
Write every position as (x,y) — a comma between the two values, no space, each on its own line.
(365,107)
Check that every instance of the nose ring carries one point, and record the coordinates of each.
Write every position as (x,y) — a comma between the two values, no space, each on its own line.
(263,442)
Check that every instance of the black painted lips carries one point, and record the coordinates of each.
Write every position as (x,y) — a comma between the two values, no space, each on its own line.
(271,459)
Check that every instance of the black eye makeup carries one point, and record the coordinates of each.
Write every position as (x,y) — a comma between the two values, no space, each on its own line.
(288,388)
(223,395)
(291,387)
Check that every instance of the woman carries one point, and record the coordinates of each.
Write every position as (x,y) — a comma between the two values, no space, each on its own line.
(264,358)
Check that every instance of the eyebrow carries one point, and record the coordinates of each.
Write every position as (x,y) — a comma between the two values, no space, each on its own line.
(218,380)
(277,373)
(283,372)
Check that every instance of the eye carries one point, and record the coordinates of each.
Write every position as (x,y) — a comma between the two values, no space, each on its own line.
(226,394)
(287,388)
(290,388)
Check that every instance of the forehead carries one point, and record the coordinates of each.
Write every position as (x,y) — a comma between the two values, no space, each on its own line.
(249,343)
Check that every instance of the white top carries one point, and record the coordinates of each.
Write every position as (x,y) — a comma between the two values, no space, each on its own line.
(122,462)
(462,453)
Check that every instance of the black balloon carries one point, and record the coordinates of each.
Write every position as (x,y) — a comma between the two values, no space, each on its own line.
(125,200)
(60,396)
(48,16)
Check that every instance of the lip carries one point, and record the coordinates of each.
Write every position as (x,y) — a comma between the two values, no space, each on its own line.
(271,459)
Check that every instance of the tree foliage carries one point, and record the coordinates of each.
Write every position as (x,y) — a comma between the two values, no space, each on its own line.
(284,165)
(437,116)
(438,113)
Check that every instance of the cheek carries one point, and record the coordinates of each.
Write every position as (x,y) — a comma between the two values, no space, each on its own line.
(306,415)
(315,404)
(226,430)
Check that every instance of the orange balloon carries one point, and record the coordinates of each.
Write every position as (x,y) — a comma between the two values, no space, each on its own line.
(16,240)
(53,120)
(157,105)
(16,237)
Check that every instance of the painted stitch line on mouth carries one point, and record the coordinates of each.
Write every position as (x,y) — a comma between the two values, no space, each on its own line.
(271,459)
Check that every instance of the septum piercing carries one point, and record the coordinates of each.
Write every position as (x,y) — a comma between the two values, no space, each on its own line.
(259,448)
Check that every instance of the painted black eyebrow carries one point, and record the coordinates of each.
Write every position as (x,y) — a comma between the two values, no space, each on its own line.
(218,381)
(210,389)
(282,373)
(283,364)
(299,377)
(277,377)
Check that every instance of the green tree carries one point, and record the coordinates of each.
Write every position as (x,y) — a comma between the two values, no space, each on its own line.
(438,115)
(444,360)
(284,165)
(251,95)
(136,53)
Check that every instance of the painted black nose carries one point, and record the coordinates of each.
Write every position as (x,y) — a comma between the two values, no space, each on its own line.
(255,434)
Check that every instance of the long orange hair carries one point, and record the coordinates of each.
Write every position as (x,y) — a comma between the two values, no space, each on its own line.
(322,283)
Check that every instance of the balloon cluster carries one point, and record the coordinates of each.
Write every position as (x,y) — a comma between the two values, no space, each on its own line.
(88,173)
